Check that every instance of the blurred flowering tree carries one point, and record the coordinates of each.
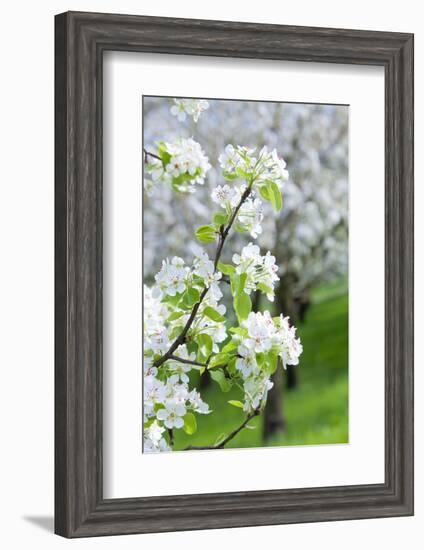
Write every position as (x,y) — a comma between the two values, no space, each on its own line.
(185,327)
(308,237)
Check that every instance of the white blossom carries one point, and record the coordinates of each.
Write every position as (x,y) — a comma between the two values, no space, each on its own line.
(190,107)
(197,403)
(222,195)
(153,440)
(172,414)
(291,347)
(250,216)
(256,389)
(154,392)
(260,270)
(239,162)
(171,278)
(183,164)
(260,329)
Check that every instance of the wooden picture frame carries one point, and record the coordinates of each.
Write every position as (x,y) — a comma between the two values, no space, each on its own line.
(81,39)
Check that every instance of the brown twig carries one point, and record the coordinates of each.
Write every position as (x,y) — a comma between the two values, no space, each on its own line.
(148,153)
(188,361)
(229,437)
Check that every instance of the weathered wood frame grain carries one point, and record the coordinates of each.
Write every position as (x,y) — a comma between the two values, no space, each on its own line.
(80,40)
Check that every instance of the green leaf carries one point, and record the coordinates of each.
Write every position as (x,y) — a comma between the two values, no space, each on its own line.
(236,403)
(176,315)
(174,332)
(231,367)
(190,424)
(221,380)
(205,346)
(265,289)
(206,233)
(230,346)
(163,153)
(271,362)
(264,192)
(226,269)
(275,195)
(191,297)
(173,300)
(239,227)
(240,331)
(242,174)
(242,306)
(213,314)
(220,218)
(229,176)
(238,282)
(192,347)
(219,359)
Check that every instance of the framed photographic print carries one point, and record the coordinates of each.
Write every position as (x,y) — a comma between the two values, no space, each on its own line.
(234,274)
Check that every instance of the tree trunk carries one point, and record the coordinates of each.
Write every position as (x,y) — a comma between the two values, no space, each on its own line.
(204,381)
(274,422)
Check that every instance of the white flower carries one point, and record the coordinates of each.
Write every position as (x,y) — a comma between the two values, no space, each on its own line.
(154,312)
(154,391)
(260,270)
(157,340)
(256,390)
(222,195)
(203,266)
(148,369)
(240,162)
(179,369)
(246,363)
(251,215)
(264,334)
(260,328)
(154,432)
(236,160)
(179,372)
(213,283)
(197,403)
(184,165)
(191,107)
(153,440)
(291,347)
(171,278)
(172,414)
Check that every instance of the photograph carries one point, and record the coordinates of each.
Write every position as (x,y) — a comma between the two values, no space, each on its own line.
(245,273)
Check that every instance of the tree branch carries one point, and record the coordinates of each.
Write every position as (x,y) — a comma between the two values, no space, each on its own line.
(229,436)
(148,153)
(187,361)
(222,237)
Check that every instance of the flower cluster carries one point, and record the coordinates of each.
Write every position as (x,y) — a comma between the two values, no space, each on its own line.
(168,402)
(261,271)
(264,341)
(167,306)
(181,164)
(240,162)
(191,107)
(172,277)
(250,214)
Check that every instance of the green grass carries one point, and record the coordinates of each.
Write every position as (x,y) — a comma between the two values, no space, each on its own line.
(317,411)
